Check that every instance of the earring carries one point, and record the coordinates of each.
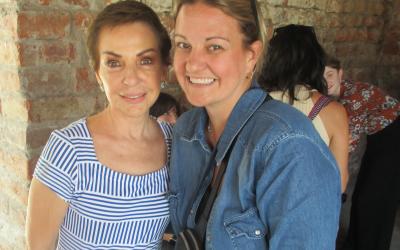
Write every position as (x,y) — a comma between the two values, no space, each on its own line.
(164,84)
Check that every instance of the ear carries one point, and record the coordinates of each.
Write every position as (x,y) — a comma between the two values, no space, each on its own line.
(340,75)
(164,73)
(255,50)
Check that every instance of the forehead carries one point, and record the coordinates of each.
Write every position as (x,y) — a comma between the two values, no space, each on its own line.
(137,35)
(202,20)
(329,69)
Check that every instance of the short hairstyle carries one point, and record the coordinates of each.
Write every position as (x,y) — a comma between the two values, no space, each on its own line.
(333,62)
(163,104)
(246,12)
(125,12)
(294,57)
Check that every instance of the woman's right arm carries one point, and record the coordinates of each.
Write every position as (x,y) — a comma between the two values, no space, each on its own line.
(46,211)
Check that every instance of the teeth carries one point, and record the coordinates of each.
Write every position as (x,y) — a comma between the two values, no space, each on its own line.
(201,80)
(133,97)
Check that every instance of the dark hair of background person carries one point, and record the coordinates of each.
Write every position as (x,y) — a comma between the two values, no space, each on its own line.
(248,15)
(333,62)
(126,12)
(294,57)
(163,104)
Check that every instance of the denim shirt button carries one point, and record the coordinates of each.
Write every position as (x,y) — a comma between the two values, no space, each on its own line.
(191,211)
(208,238)
(257,232)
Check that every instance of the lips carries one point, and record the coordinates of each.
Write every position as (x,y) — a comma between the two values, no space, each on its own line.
(134,98)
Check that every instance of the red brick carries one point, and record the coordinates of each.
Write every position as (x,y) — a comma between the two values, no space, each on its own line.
(391,47)
(55,52)
(374,35)
(28,53)
(85,80)
(81,3)
(373,22)
(43,25)
(83,19)
(47,81)
(60,108)
(45,52)
(37,138)
(45,2)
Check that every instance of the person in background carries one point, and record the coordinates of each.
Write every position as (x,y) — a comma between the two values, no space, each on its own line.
(376,193)
(102,181)
(281,186)
(166,108)
(294,73)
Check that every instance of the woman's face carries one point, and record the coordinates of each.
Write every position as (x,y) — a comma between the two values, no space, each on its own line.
(333,78)
(130,68)
(210,58)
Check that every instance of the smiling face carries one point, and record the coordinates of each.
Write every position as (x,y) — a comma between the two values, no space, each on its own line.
(333,78)
(130,68)
(211,62)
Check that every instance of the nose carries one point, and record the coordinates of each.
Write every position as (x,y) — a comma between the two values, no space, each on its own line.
(131,76)
(195,61)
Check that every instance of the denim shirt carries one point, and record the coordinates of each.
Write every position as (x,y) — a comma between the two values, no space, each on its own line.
(281,188)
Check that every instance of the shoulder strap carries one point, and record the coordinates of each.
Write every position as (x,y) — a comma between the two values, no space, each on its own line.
(212,190)
(318,106)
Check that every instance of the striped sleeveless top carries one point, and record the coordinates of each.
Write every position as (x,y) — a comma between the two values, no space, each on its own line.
(107,209)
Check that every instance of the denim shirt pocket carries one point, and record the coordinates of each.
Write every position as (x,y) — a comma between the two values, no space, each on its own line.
(246,230)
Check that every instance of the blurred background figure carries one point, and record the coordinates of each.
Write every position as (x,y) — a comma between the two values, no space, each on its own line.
(376,185)
(294,73)
(166,108)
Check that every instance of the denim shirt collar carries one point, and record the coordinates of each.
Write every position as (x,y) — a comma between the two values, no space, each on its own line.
(248,103)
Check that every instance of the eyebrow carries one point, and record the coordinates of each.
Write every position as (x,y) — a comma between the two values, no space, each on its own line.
(207,39)
(139,54)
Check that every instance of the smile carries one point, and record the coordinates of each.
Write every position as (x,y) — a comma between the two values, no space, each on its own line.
(201,80)
(133,97)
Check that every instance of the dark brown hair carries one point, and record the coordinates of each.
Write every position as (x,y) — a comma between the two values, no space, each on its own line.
(125,12)
(333,62)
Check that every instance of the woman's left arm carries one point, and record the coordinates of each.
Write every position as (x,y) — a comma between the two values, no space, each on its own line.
(335,119)
(298,195)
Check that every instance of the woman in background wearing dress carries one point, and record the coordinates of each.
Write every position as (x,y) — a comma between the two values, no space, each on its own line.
(101,182)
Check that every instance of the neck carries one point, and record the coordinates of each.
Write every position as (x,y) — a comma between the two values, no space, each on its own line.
(216,123)
(124,126)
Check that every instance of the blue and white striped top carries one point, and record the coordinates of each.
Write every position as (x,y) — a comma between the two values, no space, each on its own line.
(107,209)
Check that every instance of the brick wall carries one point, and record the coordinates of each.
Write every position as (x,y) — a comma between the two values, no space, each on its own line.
(45,81)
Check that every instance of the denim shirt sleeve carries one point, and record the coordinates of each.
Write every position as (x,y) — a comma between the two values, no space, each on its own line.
(302,207)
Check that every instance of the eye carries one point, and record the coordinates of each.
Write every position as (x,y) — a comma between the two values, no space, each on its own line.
(113,63)
(214,47)
(146,61)
(182,45)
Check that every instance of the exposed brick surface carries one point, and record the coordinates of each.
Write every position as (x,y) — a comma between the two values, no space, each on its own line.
(46,82)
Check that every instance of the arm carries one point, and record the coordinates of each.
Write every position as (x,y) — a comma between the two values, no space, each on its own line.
(45,214)
(334,117)
(298,195)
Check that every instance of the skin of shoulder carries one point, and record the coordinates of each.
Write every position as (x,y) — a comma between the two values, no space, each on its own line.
(335,119)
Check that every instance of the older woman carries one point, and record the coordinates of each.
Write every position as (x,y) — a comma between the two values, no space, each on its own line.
(281,185)
(101,182)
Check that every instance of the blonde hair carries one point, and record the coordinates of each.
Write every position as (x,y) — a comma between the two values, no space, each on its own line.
(248,15)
